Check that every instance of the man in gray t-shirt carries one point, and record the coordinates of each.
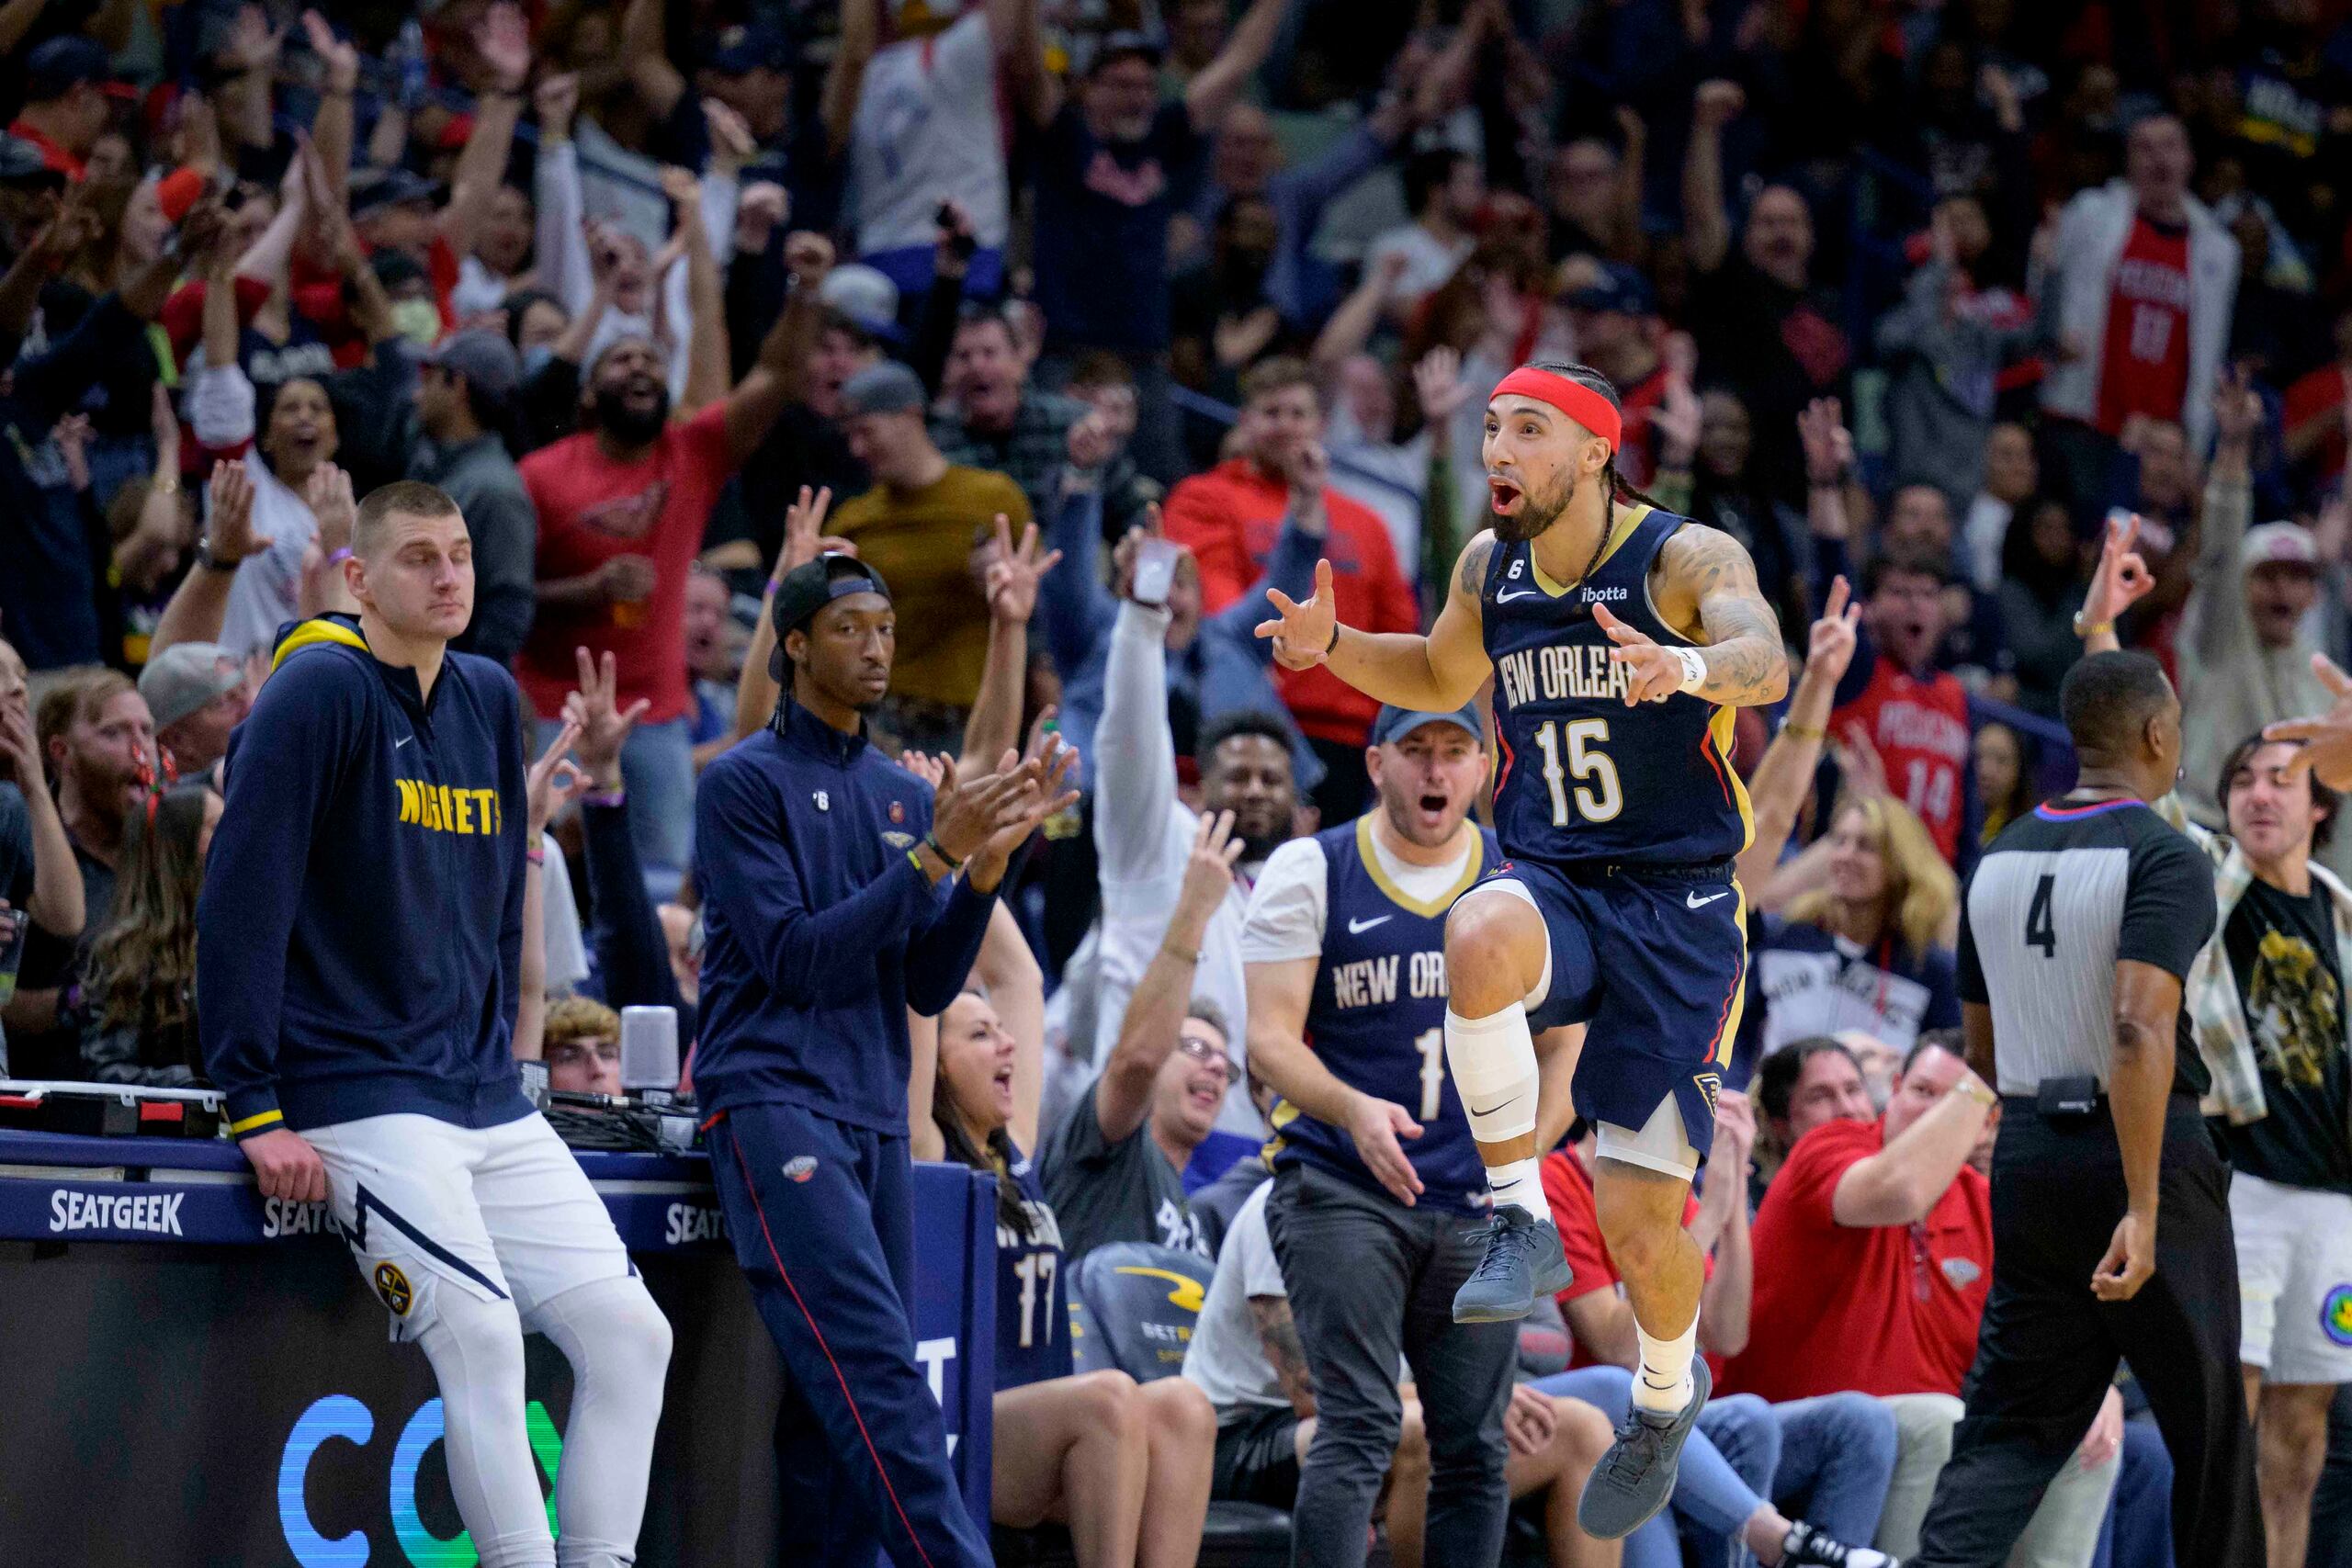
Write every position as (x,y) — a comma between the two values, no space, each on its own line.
(1114,1168)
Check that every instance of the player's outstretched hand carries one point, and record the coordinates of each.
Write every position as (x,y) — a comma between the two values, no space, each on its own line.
(1377,1124)
(1653,672)
(286,1167)
(2131,1258)
(1303,634)
(2327,738)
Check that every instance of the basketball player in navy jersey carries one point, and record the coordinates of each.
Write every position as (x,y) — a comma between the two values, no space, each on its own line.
(1344,952)
(1621,638)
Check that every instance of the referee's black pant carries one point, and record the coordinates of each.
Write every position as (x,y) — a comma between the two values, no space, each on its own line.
(2048,1348)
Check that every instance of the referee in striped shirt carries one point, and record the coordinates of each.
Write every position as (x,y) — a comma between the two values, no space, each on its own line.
(2111,1206)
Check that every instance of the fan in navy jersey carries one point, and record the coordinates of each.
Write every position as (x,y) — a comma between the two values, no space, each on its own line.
(1344,951)
(1126,1468)
(1620,638)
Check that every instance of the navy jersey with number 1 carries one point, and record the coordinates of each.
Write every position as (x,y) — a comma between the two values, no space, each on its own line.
(1376,1020)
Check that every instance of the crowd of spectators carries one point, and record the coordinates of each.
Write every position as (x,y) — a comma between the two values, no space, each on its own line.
(1982,327)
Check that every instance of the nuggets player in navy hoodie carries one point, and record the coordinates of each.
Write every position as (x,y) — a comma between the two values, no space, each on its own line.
(360,937)
(1619,638)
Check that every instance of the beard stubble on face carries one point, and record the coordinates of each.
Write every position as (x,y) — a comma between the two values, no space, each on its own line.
(1534,515)
(630,426)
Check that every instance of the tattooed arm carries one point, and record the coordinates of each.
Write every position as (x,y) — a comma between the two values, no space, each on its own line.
(1704,587)
(1279,1335)
(1429,674)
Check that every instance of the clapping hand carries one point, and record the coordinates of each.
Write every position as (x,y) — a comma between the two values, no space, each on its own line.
(596,720)
(1046,767)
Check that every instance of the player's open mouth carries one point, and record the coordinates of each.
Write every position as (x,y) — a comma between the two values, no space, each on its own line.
(1502,494)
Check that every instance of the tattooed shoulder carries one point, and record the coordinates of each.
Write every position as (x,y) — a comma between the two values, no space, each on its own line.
(1471,576)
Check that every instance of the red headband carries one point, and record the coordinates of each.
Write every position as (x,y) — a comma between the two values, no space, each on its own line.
(1576,399)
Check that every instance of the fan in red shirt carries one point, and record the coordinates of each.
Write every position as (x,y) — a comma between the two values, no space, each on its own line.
(1231,518)
(622,506)
(2316,413)
(2144,364)
(1874,1246)
(1915,716)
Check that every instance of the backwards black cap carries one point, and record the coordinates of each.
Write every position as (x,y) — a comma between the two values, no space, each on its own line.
(808,588)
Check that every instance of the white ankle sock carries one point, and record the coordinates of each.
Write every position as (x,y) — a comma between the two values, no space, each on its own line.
(1663,1382)
(1493,1063)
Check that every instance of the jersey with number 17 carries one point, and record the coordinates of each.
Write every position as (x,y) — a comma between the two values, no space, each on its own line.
(1585,778)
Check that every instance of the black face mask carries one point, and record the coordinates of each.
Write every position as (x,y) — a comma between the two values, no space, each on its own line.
(628,426)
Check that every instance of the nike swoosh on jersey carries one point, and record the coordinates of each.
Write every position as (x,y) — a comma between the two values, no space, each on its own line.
(402,741)
(1357,927)
(1521,593)
(1693,901)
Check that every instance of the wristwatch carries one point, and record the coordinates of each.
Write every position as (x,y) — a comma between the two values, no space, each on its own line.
(211,562)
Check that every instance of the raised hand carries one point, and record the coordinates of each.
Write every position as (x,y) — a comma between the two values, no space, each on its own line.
(2122,579)
(759,212)
(71,434)
(253,44)
(1717,103)
(732,142)
(327,492)
(1089,442)
(1304,634)
(1859,764)
(807,257)
(340,57)
(1208,870)
(2236,410)
(684,193)
(1014,575)
(1676,418)
(600,724)
(1829,646)
(1829,445)
(557,99)
(229,536)
(2327,738)
(502,40)
(554,782)
(803,533)
(1653,672)
(1436,379)
(20,746)
(923,765)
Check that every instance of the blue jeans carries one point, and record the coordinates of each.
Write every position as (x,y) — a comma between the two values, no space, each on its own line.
(2138,1533)
(657,771)
(1711,1492)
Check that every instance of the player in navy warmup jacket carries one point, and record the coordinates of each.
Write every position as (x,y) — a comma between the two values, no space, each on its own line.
(820,862)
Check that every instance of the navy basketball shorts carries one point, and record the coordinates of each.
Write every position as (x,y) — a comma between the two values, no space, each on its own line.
(1654,959)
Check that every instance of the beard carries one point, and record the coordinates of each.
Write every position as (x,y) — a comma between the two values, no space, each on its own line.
(1535,514)
(630,425)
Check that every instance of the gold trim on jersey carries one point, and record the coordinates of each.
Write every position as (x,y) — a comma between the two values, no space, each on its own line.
(1625,530)
(1722,731)
(1426,908)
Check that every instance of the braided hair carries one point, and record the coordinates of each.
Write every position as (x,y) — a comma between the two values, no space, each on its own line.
(1587,377)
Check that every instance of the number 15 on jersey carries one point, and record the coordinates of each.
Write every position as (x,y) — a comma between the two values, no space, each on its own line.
(1573,750)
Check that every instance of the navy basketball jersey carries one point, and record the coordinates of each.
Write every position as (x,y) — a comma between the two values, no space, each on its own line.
(1584,777)
(1032,1305)
(1377,1021)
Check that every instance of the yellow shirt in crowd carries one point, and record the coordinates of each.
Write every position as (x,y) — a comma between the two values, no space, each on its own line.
(921,541)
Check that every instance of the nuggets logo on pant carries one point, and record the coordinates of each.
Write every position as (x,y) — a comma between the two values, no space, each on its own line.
(392,1285)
